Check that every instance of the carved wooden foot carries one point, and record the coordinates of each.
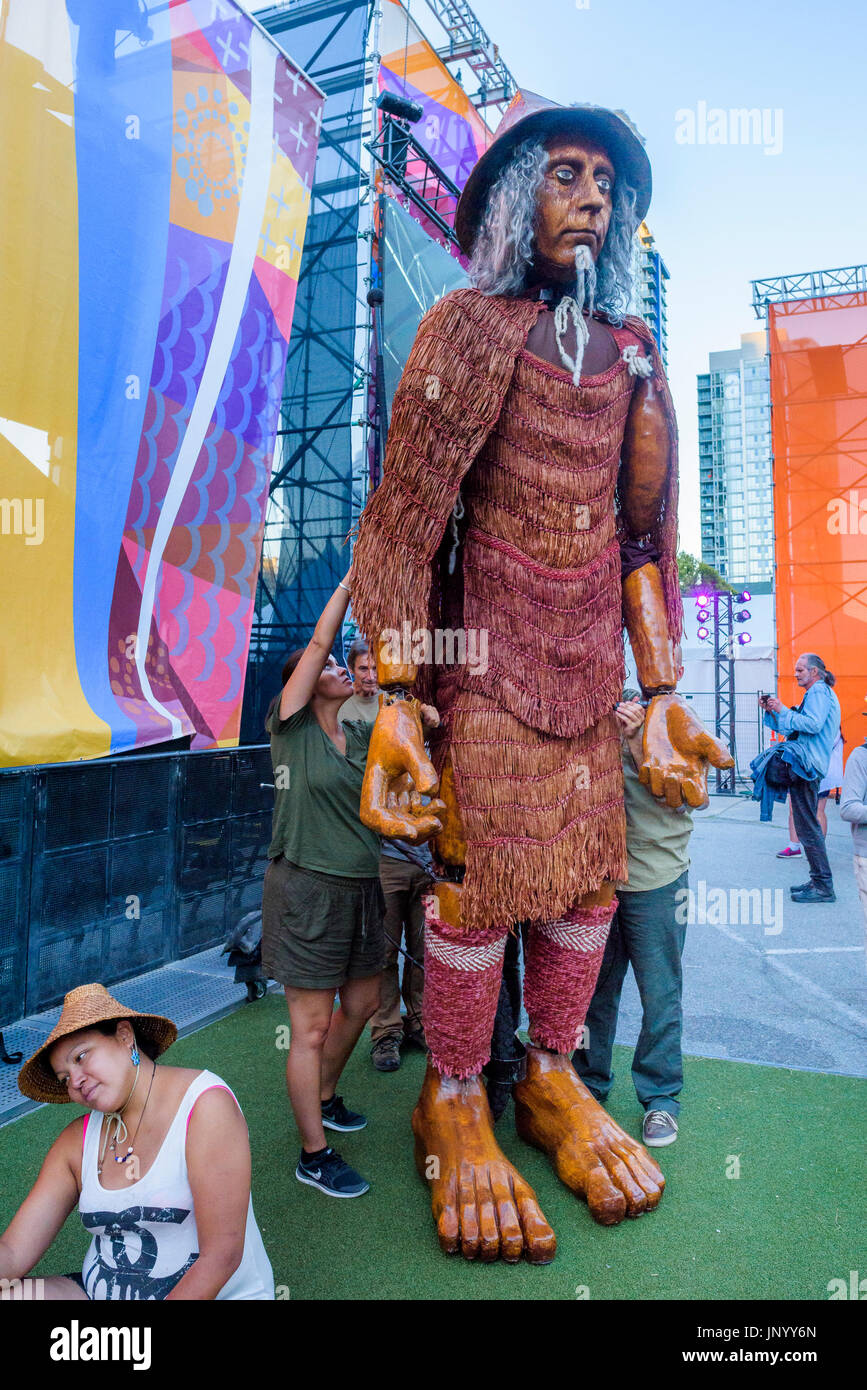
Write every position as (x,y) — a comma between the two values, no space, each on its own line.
(481,1205)
(591,1154)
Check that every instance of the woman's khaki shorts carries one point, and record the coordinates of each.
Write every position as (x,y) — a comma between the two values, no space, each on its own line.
(319,930)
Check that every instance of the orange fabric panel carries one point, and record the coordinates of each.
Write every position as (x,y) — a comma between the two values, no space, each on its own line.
(818,360)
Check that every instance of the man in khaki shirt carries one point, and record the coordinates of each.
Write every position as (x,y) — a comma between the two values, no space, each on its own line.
(648,932)
(363,703)
(406,872)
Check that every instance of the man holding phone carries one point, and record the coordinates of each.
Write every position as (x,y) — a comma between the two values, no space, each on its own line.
(815,723)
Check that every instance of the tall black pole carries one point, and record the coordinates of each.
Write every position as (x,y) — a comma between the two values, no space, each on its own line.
(375,298)
(724,684)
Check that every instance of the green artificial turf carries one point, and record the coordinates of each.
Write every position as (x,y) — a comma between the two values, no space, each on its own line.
(792,1221)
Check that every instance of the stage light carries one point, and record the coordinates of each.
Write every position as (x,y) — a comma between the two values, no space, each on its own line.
(744,638)
(702,615)
(743,616)
(743,597)
(703,633)
(401,107)
(702,600)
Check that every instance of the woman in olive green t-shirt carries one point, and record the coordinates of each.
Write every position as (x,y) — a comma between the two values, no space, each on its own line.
(322,904)
(322,908)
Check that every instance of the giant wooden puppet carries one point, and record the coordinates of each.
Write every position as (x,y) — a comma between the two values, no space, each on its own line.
(528,510)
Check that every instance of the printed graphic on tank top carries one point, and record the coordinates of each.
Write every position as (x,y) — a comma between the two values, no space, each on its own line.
(144,1235)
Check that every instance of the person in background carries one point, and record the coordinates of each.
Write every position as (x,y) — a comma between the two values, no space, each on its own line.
(406,871)
(815,724)
(648,933)
(363,703)
(853,808)
(833,778)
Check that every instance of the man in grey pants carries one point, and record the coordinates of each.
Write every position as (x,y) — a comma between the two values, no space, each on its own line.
(406,873)
(648,932)
(815,724)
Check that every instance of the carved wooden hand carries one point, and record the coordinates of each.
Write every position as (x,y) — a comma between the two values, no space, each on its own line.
(677,750)
(398,774)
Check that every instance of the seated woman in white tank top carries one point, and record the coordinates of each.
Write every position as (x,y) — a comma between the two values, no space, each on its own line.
(159,1168)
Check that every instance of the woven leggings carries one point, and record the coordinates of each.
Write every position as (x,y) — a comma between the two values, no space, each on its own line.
(462,984)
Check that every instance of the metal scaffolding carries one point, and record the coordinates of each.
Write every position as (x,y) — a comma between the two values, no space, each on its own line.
(415,175)
(469,43)
(811,284)
(317,486)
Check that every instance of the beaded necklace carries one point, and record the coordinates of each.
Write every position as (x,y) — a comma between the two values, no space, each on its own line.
(115,1118)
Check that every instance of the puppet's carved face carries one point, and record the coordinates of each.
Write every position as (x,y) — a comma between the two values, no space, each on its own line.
(573,206)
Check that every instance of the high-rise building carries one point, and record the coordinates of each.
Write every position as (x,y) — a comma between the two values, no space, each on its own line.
(734,459)
(650,289)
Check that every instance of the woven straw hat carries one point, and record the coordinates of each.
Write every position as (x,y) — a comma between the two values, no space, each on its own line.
(531,115)
(84,1008)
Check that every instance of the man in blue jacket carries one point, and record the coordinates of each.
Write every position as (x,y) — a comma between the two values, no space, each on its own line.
(815,724)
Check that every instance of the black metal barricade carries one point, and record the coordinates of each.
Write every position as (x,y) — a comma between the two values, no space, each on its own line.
(113,867)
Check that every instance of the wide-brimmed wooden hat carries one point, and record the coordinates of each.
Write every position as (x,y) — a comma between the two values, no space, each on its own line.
(85,1007)
(530,115)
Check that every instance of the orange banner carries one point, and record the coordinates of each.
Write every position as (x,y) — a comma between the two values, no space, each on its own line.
(818,351)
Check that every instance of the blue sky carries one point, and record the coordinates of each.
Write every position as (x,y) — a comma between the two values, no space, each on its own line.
(722,214)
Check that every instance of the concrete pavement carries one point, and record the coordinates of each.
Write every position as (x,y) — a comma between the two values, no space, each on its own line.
(788,985)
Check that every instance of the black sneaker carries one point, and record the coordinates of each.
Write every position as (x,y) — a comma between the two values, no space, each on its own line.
(331,1175)
(336,1116)
(812,894)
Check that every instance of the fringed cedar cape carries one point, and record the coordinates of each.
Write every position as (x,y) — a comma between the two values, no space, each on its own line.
(529,725)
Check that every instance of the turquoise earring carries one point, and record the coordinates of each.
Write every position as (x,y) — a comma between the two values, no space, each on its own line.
(135,1057)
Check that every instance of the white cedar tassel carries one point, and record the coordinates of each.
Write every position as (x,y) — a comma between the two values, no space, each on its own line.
(638,366)
(573,307)
(566,307)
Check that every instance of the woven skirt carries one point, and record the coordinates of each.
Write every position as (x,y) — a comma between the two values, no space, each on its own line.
(543,816)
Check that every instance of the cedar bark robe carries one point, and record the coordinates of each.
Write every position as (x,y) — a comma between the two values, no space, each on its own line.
(529,724)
